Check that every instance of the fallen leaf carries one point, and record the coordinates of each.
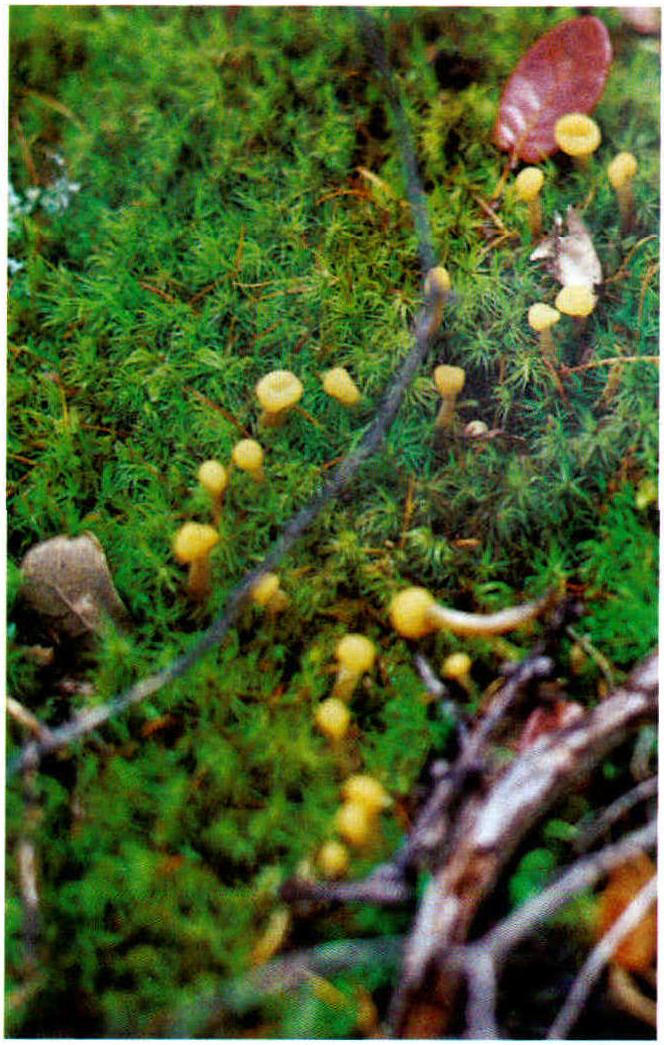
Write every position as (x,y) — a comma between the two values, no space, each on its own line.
(571,259)
(545,720)
(637,950)
(564,71)
(66,580)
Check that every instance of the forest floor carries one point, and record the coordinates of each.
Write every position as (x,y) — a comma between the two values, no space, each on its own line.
(199,196)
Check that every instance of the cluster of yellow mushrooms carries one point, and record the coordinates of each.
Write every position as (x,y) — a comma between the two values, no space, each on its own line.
(578,136)
(413,612)
(277,393)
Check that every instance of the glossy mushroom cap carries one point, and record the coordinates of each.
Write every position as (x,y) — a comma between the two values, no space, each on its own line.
(356,653)
(194,541)
(456,666)
(449,380)
(437,279)
(528,183)
(576,301)
(265,589)
(354,824)
(339,384)
(577,135)
(542,317)
(410,613)
(332,718)
(333,859)
(366,790)
(622,169)
(213,477)
(248,455)
(279,390)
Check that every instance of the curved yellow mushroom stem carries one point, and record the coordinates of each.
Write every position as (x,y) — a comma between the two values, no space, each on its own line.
(415,613)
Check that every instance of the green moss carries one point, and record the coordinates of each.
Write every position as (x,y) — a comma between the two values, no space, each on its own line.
(240,207)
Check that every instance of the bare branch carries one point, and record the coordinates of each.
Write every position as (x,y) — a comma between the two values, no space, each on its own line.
(25,718)
(488,827)
(480,973)
(598,958)
(582,875)
(641,793)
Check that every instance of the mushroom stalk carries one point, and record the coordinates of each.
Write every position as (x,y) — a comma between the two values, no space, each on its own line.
(437,286)
(415,613)
(198,581)
(449,381)
(355,655)
(621,172)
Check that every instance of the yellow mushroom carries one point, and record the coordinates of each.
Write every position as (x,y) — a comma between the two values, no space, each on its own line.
(415,613)
(278,392)
(213,477)
(528,186)
(368,791)
(577,302)
(437,286)
(355,825)
(248,456)
(267,593)
(333,859)
(542,318)
(449,380)
(578,136)
(355,655)
(457,667)
(192,546)
(339,384)
(621,171)
(332,719)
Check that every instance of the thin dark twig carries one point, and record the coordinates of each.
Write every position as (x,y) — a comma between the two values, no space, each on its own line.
(92,718)
(416,194)
(599,957)
(622,805)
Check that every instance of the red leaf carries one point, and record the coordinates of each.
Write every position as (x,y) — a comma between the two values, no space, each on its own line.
(546,720)
(564,71)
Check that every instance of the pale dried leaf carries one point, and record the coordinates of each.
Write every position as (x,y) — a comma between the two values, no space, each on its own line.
(571,259)
(67,582)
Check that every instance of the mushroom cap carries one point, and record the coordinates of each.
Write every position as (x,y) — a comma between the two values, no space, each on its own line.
(542,317)
(528,183)
(332,718)
(366,790)
(279,390)
(248,455)
(456,666)
(356,652)
(213,477)
(265,589)
(449,380)
(354,823)
(194,541)
(576,301)
(576,134)
(409,612)
(437,279)
(622,169)
(476,428)
(333,859)
(339,384)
